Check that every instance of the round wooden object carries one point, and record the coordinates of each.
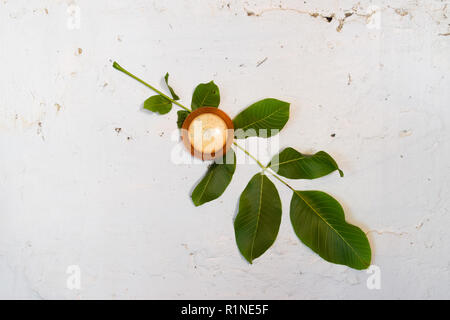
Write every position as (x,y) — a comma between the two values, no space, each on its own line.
(207,133)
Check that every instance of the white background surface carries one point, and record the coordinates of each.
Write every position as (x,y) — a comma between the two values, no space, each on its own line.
(73,191)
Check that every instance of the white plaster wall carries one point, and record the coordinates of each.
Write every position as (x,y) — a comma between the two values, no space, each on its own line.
(73,191)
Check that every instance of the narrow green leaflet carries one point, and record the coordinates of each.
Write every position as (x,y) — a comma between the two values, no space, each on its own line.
(182,115)
(216,180)
(158,104)
(292,164)
(174,95)
(319,221)
(259,217)
(270,115)
(206,95)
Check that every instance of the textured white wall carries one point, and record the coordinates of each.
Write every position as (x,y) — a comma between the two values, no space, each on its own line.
(73,191)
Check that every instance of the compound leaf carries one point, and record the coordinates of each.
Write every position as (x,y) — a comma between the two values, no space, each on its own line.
(292,164)
(158,104)
(206,95)
(216,180)
(259,217)
(263,119)
(319,221)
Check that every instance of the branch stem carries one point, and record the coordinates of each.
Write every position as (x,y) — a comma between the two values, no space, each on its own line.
(118,67)
(264,168)
(250,155)
(279,179)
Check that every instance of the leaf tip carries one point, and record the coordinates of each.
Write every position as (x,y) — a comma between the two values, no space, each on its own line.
(341,173)
(362,267)
(196,202)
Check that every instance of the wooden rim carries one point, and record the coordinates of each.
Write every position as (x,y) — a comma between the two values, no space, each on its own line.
(185,135)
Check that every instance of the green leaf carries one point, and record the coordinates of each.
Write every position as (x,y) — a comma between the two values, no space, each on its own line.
(206,95)
(174,95)
(268,114)
(158,104)
(216,180)
(292,164)
(319,221)
(258,220)
(182,115)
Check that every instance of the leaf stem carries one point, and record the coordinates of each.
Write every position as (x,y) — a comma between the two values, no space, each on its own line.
(118,67)
(263,167)
(279,179)
(251,156)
